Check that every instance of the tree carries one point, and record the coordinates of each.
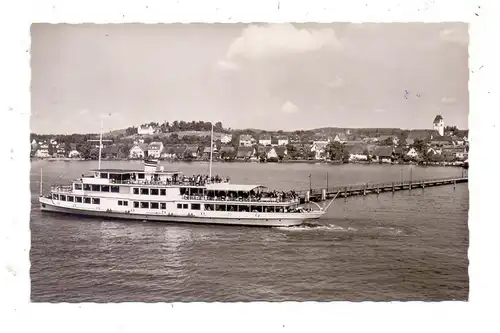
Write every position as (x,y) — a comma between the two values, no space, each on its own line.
(228,155)
(292,151)
(187,155)
(388,141)
(452,129)
(218,127)
(52,149)
(337,151)
(367,154)
(174,138)
(263,156)
(420,146)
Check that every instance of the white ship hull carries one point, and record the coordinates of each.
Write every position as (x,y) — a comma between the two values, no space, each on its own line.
(228,218)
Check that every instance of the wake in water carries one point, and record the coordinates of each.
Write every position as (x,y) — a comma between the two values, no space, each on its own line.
(311,226)
(364,231)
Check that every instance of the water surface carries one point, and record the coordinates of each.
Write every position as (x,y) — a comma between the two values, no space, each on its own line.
(402,246)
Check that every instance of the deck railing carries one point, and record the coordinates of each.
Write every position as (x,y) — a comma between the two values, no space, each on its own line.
(164,183)
(61,188)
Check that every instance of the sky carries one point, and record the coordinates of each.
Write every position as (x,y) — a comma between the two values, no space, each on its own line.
(266,76)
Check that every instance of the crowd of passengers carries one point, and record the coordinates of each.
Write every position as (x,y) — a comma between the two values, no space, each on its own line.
(195,180)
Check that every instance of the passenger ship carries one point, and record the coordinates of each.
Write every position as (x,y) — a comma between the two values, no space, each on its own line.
(154,194)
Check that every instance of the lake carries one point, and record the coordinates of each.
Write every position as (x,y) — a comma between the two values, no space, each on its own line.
(410,245)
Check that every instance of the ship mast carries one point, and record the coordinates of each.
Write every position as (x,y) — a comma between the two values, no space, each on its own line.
(100,145)
(41,182)
(211,150)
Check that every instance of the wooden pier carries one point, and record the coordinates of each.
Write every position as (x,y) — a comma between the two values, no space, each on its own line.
(322,194)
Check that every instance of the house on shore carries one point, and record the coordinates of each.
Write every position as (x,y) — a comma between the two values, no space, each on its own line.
(138,151)
(384,154)
(246,140)
(73,153)
(319,149)
(265,140)
(155,149)
(226,138)
(245,153)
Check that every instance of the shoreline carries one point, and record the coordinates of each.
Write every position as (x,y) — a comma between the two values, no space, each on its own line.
(428,164)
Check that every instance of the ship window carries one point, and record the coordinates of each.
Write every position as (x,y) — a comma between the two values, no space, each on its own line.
(115,189)
(120,203)
(257,209)
(135,190)
(183,190)
(96,201)
(78,186)
(62,197)
(154,205)
(140,175)
(78,199)
(209,206)
(136,204)
(232,208)
(154,191)
(144,204)
(163,191)
(86,200)
(125,203)
(145,191)
(86,187)
(105,188)
(243,208)
(269,209)
(70,198)
(104,175)
(220,208)
(55,196)
(163,205)
(195,206)
(185,206)
(179,206)
(96,188)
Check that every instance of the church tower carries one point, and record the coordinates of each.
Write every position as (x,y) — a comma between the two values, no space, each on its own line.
(438,124)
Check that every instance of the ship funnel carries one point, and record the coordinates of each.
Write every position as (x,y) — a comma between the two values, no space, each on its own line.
(150,165)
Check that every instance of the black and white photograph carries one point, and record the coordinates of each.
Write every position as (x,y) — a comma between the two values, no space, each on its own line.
(245,162)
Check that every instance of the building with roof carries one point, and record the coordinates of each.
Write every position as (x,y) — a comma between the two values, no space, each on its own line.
(357,152)
(265,140)
(155,149)
(282,140)
(245,153)
(146,130)
(246,140)
(226,138)
(384,154)
(139,150)
(438,124)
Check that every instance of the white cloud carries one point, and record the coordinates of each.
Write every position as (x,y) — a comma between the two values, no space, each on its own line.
(336,82)
(380,110)
(83,112)
(460,36)
(289,107)
(448,100)
(227,65)
(257,42)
